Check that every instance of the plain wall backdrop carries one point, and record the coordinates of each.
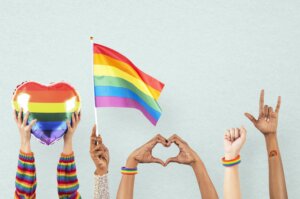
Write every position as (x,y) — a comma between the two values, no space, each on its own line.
(213,56)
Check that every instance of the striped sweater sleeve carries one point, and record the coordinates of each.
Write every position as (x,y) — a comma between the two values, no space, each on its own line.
(67,181)
(25,177)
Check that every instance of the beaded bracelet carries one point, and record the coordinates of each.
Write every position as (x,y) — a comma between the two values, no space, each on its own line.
(230,163)
(129,171)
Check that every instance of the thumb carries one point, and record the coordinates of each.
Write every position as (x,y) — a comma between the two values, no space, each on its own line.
(32,123)
(157,160)
(169,160)
(243,133)
(251,118)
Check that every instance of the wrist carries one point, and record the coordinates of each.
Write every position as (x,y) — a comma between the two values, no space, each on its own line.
(230,155)
(131,162)
(68,147)
(100,172)
(270,136)
(197,163)
(25,147)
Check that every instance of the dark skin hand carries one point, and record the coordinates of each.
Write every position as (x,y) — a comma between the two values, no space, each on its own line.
(188,156)
(99,153)
(267,123)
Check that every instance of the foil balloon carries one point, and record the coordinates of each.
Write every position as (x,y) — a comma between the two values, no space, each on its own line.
(50,105)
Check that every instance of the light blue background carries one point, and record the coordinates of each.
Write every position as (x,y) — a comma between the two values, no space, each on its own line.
(213,56)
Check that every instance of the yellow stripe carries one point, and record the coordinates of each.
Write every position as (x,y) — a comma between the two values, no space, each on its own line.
(64,186)
(105,70)
(24,173)
(48,107)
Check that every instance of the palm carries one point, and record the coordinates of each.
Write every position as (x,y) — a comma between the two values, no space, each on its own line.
(268,119)
(232,146)
(144,155)
(267,127)
(185,157)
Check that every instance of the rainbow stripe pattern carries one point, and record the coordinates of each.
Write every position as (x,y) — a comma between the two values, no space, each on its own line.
(67,181)
(25,177)
(233,162)
(51,105)
(129,171)
(119,83)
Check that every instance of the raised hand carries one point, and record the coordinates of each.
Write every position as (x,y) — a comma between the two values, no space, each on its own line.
(186,154)
(267,121)
(234,139)
(99,153)
(144,153)
(24,129)
(68,137)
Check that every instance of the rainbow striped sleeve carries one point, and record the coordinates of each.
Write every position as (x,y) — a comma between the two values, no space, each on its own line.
(25,177)
(66,178)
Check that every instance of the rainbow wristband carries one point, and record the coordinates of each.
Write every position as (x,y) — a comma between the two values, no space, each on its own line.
(230,163)
(129,171)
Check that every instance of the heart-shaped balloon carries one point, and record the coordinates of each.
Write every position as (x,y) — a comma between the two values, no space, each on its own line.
(50,105)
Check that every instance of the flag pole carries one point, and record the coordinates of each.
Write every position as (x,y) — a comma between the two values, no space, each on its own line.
(95,109)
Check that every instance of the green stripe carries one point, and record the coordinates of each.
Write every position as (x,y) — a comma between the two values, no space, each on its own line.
(48,117)
(119,82)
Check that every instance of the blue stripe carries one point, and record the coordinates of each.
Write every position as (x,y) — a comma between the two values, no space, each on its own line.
(59,125)
(111,91)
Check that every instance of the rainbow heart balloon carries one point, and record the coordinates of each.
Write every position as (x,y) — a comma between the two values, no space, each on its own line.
(50,105)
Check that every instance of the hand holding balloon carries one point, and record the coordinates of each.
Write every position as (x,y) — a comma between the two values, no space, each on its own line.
(68,137)
(24,130)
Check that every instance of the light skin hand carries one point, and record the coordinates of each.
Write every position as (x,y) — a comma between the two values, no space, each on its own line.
(267,121)
(186,154)
(99,153)
(68,137)
(24,130)
(144,153)
(234,139)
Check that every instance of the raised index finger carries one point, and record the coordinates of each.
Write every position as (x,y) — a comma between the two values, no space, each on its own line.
(261,102)
(278,104)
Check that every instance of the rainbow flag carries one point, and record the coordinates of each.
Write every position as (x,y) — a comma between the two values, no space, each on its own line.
(119,83)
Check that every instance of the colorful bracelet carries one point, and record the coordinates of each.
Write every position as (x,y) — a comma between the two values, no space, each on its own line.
(230,163)
(129,171)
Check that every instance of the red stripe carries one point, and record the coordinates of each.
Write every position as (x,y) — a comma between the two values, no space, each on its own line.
(27,170)
(60,182)
(25,181)
(154,83)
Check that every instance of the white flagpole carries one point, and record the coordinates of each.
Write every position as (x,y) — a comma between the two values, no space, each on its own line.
(95,109)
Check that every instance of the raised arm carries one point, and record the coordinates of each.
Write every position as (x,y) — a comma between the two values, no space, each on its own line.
(267,123)
(188,156)
(26,174)
(100,156)
(234,140)
(67,182)
(140,155)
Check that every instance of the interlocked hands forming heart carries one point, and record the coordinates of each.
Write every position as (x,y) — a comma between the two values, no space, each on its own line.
(143,154)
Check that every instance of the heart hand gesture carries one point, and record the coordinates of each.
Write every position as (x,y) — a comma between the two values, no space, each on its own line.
(186,154)
(144,153)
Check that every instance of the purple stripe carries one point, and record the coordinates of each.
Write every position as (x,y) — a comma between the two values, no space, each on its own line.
(125,103)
